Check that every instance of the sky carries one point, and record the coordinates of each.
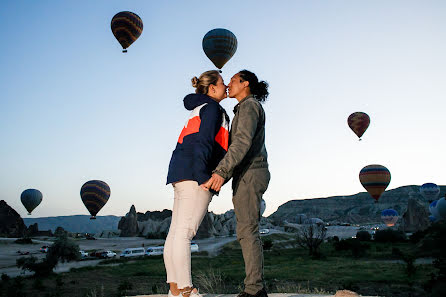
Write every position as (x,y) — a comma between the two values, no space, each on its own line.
(74,108)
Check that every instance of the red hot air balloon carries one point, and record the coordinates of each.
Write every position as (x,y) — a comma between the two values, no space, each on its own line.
(375,179)
(95,194)
(358,122)
(127,27)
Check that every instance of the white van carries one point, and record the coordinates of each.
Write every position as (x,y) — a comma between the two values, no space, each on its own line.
(154,250)
(133,252)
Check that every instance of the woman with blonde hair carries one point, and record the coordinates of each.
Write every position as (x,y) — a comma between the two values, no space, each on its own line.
(201,145)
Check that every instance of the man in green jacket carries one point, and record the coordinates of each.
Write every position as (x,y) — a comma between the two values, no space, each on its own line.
(246,162)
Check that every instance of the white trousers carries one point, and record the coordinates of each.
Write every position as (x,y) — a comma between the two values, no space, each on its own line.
(189,208)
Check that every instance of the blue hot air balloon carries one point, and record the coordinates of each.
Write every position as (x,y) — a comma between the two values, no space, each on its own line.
(433,209)
(262,207)
(433,219)
(219,45)
(389,216)
(430,191)
(31,198)
(441,209)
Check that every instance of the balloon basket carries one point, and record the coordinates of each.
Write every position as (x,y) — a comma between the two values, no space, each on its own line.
(219,70)
(29,213)
(93,218)
(124,50)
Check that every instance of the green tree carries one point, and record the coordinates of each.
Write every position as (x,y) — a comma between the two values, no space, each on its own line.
(63,250)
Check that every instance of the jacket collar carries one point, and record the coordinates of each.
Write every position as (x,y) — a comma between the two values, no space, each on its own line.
(236,108)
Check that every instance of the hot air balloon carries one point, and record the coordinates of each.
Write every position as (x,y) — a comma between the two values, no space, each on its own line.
(430,191)
(262,207)
(441,209)
(95,194)
(433,209)
(375,179)
(219,45)
(432,219)
(31,198)
(358,122)
(127,27)
(389,216)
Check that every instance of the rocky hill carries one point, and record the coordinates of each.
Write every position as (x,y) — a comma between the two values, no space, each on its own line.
(358,208)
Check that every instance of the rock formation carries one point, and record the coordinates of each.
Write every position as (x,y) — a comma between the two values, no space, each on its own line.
(11,224)
(415,218)
(354,209)
(156,224)
(129,224)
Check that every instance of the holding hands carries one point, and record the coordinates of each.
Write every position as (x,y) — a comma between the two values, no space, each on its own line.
(215,183)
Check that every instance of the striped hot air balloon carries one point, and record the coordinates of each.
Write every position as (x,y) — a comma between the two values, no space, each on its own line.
(219,45)
(375,179)
(390,217)
(430,191)
(127,27)
(31,198)
(358,122)
(95,194)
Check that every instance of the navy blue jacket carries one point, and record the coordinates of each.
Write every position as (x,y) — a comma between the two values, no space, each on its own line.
(203,141)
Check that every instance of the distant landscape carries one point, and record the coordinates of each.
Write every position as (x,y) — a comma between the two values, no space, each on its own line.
(356,209)
(76,223)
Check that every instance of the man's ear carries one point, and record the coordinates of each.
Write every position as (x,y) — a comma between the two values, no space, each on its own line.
(246,84)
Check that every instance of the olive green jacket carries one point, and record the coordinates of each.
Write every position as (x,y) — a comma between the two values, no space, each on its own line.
(247,140)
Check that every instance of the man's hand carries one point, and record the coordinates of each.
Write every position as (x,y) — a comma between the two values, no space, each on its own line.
(214,183)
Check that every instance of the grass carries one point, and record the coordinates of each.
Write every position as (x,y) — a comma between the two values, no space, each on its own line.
(286,270)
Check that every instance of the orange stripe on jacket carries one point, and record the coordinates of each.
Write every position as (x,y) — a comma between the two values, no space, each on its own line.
(192,126)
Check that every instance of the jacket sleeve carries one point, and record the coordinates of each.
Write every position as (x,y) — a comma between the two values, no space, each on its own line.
(210,116)
(249,115)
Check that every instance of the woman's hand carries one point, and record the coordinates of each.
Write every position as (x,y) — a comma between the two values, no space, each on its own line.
(214,183)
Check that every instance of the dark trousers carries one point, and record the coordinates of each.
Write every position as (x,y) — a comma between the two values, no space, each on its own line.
(248,191)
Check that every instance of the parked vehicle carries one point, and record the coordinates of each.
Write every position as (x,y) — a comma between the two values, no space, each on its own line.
(84,254)
(44,249)
(108,254)
(154,250)
(133,252)
(89,237)
(193,247)
(264,231)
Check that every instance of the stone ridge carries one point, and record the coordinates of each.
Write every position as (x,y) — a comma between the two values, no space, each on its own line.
(358,208)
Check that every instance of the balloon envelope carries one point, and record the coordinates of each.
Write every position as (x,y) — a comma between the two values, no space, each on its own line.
(95,194)
(441,209)
(126,27)
(430,191)
(262,207)
(358,122)
(433,208)
(375,179)
(433,219)
(219,45)
(390,217)
(31,198)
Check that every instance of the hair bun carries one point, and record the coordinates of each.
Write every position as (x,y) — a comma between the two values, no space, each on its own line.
(195,81)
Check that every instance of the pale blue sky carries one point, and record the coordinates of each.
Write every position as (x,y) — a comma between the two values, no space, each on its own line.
(74,108)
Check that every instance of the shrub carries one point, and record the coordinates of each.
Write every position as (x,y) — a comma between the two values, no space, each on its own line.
(123,287)
(354,245)
(267,244)
(389,235)
(24,240)
(5,277)
(363,236)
